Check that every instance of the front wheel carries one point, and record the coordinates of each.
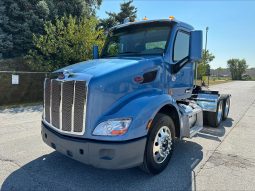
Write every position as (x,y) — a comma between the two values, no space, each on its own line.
(160,144)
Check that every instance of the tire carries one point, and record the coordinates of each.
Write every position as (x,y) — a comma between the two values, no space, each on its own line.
(226,108)
(160,144)
(214,118)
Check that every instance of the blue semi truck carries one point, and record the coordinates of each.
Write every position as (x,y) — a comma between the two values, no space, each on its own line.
(127,106)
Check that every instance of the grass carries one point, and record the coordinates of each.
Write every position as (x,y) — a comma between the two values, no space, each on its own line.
(214,81)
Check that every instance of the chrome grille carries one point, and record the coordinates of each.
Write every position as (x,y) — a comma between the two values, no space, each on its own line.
(64,105)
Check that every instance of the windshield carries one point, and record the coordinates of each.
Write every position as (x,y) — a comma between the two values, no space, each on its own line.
(143,40)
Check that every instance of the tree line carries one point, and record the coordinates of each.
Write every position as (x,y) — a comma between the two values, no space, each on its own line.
(237,67)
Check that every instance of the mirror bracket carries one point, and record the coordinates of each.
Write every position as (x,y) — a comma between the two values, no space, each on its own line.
(175,68)
(95,52)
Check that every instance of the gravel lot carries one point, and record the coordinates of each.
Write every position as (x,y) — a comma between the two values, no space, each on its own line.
(216,159)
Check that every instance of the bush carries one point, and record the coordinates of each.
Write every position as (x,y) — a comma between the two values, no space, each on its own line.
(246,77)
(66,41)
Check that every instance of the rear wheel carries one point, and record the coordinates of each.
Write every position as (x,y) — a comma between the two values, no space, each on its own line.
(160,144)
(226,108)
(215,118)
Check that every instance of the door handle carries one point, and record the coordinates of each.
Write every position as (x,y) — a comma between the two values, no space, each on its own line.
(188,91)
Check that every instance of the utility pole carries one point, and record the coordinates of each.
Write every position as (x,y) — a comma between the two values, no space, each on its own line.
(207,28)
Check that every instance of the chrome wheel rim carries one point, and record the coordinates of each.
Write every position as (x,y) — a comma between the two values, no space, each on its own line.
(162,144)
(227,108)
(219,116)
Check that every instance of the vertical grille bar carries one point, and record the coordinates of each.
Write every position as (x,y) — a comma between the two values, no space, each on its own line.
(79,102)
(73,107)
(61,103)
(55,105)
(50,101)
(47,100)
(67,105)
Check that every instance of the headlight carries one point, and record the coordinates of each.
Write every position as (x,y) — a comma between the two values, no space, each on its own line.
(112,127)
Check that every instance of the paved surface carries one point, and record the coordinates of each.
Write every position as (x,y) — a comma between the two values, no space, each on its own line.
(216,159)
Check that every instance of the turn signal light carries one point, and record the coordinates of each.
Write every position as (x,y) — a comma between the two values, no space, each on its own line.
(119,132)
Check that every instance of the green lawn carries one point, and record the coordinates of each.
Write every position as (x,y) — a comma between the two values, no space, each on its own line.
(214,81)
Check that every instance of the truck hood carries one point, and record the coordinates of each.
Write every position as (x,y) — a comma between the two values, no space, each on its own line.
(99,67)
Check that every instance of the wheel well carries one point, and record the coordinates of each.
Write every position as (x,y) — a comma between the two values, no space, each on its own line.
(172,112)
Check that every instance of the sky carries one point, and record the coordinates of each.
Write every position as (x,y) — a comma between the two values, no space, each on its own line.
(231,24)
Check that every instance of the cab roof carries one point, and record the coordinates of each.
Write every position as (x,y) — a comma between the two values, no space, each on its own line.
(170,21)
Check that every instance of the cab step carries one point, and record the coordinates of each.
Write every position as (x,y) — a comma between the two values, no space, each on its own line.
(194,130)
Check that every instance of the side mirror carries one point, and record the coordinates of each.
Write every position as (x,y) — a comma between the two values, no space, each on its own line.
(196,45)
(95,52)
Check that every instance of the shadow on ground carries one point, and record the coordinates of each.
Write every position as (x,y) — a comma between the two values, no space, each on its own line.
(57,172)
(217,132)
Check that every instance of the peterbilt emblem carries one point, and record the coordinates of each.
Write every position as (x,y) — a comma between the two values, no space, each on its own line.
(61,76)
(64,74)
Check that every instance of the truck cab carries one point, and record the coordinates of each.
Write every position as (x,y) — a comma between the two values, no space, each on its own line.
(126,107)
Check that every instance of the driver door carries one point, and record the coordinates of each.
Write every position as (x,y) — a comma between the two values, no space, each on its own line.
(181,83)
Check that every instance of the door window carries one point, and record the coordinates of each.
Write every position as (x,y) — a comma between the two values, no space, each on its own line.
(181,46)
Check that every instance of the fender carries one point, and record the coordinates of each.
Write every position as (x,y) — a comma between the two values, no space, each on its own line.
(141,110)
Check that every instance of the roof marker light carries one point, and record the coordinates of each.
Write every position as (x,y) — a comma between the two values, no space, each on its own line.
(145,18)
(171,18)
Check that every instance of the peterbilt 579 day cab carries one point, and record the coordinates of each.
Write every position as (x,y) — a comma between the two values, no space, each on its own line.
(126,107)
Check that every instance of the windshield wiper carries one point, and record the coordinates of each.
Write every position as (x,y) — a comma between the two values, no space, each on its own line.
(130,52)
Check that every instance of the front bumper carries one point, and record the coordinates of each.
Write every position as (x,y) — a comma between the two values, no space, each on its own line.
(100,154)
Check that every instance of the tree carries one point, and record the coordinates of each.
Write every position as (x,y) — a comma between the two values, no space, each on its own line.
(20,19)
(219,71)
(237,68)
(203,65)
(127,10)
(5,39)
(68,40)
(5,43)
(78,8)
